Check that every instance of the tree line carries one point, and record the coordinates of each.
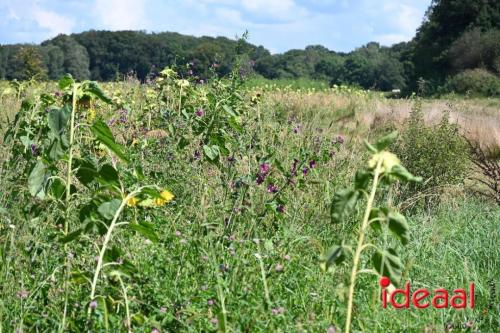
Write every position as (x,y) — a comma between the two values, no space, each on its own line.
(457,38)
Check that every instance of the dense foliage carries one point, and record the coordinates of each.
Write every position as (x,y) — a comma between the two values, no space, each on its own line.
(454,36)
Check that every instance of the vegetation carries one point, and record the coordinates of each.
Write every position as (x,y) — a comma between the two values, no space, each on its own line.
(454,36)
(234,244)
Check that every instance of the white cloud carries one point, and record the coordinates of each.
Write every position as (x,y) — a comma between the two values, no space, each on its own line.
(121,14)
(55,23)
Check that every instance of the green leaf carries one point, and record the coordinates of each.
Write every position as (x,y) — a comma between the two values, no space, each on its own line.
(66,81)
(334,255)
(386,141)
(380,217)
(387,263)
(58,119)
(71,237)
(399,226)
(94,89)
(210,153)
(370,147)
(151,193)
(146,229)
(108,174)
(108,209)
(36,180)
(57,188)
(103,134)
(401,173)
(86,171)
(362,179)
(343,202)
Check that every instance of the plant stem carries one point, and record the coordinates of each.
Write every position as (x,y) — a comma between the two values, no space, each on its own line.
(107,238)
(127,311)
(68,198)
(359,247)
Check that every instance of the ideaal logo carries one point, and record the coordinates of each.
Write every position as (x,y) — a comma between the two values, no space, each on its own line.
(423,298)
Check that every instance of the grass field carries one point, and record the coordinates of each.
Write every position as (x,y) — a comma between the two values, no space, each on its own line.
(253,171)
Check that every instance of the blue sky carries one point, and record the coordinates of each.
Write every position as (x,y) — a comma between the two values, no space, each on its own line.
(279,25)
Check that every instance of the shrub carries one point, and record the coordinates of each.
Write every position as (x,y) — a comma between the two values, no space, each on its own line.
(474,82)
(438,153)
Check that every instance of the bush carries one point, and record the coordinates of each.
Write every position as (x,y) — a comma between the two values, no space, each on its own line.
(474,82)
(438,153)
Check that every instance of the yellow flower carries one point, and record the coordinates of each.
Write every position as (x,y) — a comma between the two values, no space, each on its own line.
(166,197)
(132,202)
(388,161)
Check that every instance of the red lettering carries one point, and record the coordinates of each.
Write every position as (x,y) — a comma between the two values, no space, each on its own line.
(443,297)
(406,293)
(472,295)
(416,298)
(461,296)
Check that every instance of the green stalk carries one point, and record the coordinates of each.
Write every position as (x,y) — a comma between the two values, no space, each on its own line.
(127,311)
(68,198)
(360,246)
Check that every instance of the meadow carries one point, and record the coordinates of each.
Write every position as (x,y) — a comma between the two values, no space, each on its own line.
(175,206)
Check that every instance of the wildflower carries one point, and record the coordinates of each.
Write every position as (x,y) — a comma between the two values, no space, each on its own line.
(34,150)
(200,112)
(331,329)
(22,294)
(264,168)
(197,155)
(287,257)
(155,330)
(260,179)
(178,233)
(296,129)
(280,209)
(312,164)
(58,94)
(271,188)
(278,311)
(93,305)
(132,202)
(293,171)
(166,197)
(340,139)
(305,171)
(211,302)
(279,268)
(387,159)
(214,321)
(163,309)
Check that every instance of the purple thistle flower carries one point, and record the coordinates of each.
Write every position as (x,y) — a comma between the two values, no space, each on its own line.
(93,305)
(280,209)
(210,302)
(305,171)
(312,164)
(271,188)
(197,155)
(200,112)
(111,121)
(264,168)
(293,171)
(260,179)
(340,139)
(296,129)
(34,150)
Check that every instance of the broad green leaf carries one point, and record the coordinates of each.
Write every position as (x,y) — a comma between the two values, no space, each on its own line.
(362,179)
(57,188)
(376,218)
(399,226)
(343,202)
(94,89)
(58,119)
(104,135)
(36,180)
(86,171)
(108,209)
(108,174)
(146,229)
(66,81)
(401,173)
(334,255)
(386,141)
(387,263)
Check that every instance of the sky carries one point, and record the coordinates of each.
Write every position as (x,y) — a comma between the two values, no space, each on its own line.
(278,25)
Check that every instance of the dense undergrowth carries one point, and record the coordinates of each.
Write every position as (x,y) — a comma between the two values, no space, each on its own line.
(217,202)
